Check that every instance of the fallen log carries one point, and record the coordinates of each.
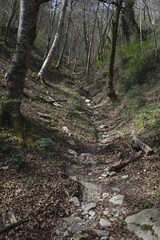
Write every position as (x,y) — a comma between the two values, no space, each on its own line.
(139,145)
(13,225)
(123,163)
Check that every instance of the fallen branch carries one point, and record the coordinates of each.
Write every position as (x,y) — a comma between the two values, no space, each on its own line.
(121,164)
(47,116)
(13,225)
(51,100)
(139,145)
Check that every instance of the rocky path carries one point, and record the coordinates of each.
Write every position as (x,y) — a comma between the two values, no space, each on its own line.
(100,207)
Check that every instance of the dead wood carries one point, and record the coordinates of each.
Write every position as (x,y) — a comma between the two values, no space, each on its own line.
(51,100)
(139,145)
(13,225)
(46,116)
(121,164)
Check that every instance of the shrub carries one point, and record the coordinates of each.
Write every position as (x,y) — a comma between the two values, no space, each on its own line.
(133,102)
(136,60)
(45,143)
(18,162)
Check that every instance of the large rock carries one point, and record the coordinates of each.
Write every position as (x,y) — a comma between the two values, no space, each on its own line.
(117,200)
(145,224)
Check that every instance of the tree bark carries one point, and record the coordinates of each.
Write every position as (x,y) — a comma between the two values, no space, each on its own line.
(91,42)
(10,111)
(66,36)
(13,12)
(51,53)
(50,29)
(115,22)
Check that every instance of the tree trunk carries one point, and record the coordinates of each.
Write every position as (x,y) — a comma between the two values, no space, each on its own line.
(13,12)
(115,22)
(66,36)
(10,111)
(51,53)
(50,29)
(91,42)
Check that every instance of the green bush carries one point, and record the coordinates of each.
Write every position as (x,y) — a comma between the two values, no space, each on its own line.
(136,60)
(132,103)
(45,143)
(18,162)
(4,146)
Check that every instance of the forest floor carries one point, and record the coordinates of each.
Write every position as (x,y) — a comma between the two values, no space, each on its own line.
(59,178)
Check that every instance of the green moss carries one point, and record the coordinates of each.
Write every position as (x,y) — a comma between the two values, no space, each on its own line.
(148,228)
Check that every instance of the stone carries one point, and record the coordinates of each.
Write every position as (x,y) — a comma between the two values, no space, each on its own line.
(88,206)
(58,232)
(74,224)
(72,142)
(92,213)
(104,238)
(106,170)
(112,173)
(105,174)
(84,156)
(75,201)
(79,236)
(66,130)
(104,141)
(72,152)
(66,234)
(145,224)
(89,104)
(87,100)
(101,233)
(125,177)
(104,222)
(103,126)
(115,189)
(106,212)
(105,136)
(117,200)
(5,168)
(106,194)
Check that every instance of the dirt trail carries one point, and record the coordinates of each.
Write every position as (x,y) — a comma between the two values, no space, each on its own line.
(99,210)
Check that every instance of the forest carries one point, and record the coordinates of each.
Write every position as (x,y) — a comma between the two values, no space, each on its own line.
(80,119)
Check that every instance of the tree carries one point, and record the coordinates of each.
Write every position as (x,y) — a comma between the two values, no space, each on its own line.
(66,36)
(51,53)
(115,22)
(10,110)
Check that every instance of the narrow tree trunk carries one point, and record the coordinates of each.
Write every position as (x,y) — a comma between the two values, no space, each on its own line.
(10,111)
(85,32)
(50,30)
(153,30)
(115,22)
(91,43)
(66,37)
(13,12)
(51,53)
